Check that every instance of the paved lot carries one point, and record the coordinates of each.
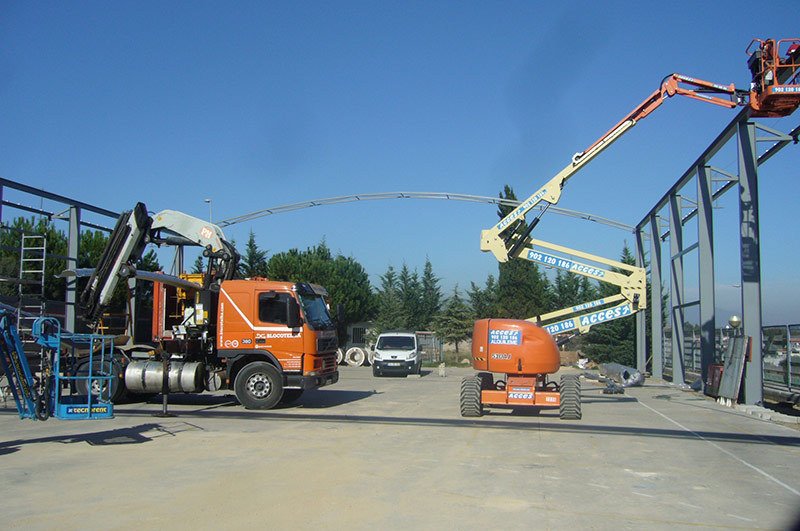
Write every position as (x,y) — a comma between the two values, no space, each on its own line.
(394,453)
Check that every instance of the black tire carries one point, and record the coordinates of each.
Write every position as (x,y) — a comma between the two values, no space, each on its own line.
(487,380)
(100,388)
(570,390)
(291,395)
(471,397)
(258,385)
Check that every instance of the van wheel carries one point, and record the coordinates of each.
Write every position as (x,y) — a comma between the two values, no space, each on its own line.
(258,385)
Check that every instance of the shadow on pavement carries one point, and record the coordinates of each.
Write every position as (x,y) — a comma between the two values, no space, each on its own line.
(132,435)
(486,422)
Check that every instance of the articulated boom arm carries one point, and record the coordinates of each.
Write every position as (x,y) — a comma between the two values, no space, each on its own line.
(506,238)
(630,279)
(134,230)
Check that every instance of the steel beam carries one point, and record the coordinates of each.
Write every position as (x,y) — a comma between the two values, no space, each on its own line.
(656,300)
(641,321)
(705,243)
(73,249)
(750,260)
(676,287)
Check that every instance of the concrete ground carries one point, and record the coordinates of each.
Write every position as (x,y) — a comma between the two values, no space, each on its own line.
(392,453)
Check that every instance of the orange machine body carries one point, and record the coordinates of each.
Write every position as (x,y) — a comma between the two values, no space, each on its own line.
(525,353)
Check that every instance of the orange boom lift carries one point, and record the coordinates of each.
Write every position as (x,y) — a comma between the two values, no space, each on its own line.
(524,350)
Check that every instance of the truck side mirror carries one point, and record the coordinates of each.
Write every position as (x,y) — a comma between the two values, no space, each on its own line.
(293,319)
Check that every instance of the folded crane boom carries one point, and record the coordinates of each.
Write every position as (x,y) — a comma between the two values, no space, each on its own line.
(134,230)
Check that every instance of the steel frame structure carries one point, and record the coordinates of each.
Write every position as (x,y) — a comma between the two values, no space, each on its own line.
(711,183)
(71,213)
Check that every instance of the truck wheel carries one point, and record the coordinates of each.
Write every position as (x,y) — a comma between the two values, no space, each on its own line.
(109,390)
(355,356)
(471,397)
(370,356)
(291,395)
(258,385)
(570,408)
(339,356)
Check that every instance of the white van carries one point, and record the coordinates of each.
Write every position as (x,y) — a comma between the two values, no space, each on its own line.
(396,352)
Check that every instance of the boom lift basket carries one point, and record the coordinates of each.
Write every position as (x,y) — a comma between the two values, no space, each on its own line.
(66,399)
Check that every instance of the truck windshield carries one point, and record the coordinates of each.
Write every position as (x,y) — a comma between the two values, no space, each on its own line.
(316,312)
(395,343)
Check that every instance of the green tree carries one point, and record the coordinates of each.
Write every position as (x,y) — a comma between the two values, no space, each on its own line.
(410,290)
(390,314)
(431,301)
(484,300)
(345,279)
(199,265)
(613,341)
(254,260)
(454,324)
(10,244)
(523,291)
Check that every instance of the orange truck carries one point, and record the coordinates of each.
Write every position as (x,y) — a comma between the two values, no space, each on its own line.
(268,341)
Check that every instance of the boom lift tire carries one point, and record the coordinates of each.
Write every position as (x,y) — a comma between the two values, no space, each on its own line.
(258,385)
(570,408)
(471,397)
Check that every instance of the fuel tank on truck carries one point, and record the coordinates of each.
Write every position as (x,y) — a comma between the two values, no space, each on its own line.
(513,346)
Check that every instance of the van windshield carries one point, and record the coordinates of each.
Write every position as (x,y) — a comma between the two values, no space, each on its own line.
(395,343)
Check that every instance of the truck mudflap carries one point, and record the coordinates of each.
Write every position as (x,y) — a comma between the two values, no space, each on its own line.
(299,381)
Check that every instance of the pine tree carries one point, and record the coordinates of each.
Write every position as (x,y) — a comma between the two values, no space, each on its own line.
(454,324)
(523,291)
(484,300)
(390,303)
(254,261)
(431,296)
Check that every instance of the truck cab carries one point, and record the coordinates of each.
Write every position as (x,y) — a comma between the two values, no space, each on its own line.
(397,353)
(267,340)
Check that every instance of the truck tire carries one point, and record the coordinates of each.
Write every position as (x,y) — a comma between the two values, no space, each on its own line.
(108,390)
(370,356)
(339,356)
(291,395)
(258,385)
(570,390)
(355,356)
(471,397)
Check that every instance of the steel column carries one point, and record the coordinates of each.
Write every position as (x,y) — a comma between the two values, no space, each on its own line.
(641,321)
(705,243)
(750,260)
(656,300)
(676,287)
(73,248)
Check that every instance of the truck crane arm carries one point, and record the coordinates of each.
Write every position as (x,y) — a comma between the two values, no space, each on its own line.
(507,237)
(133,231)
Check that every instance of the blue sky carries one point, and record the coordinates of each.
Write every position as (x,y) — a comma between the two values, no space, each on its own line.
(259,104)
